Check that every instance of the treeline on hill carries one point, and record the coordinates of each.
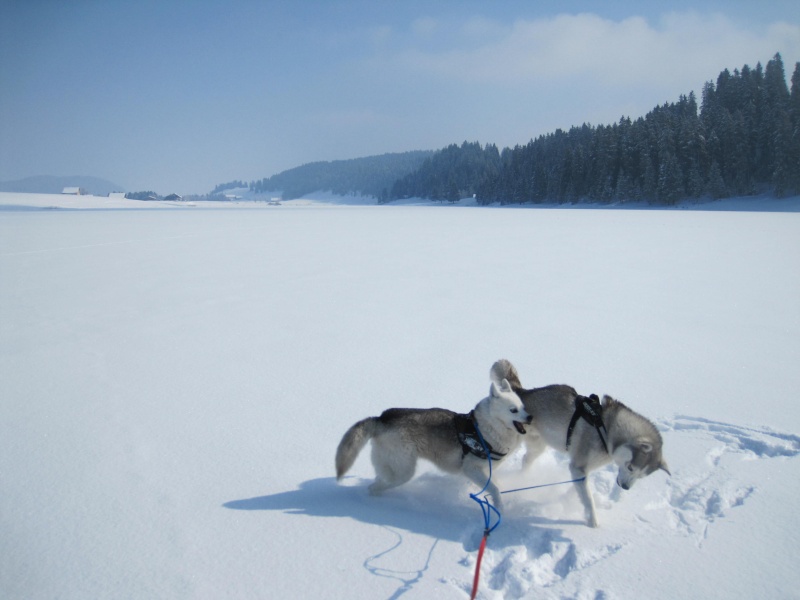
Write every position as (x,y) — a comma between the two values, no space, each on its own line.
(370,176)
(745,138)
(231,185)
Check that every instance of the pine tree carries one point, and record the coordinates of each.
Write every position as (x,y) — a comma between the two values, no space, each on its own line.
(452,192)
(670,180)
(794,146)
(716,185)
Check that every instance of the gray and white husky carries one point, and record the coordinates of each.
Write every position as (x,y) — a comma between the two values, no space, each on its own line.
(593,434)
(449,440)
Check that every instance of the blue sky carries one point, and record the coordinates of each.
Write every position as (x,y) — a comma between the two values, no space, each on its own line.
(182,95)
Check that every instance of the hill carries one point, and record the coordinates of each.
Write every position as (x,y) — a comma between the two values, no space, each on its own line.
(738,140)
(369,176)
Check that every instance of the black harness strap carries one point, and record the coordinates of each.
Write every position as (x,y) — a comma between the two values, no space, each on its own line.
(470,442)
(592,412)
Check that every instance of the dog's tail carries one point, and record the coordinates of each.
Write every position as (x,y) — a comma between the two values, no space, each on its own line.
(353,442)
(503,369)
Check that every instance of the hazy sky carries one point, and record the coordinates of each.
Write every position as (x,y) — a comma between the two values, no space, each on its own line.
(179,96)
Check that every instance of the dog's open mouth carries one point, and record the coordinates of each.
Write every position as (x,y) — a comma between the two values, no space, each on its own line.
(519,427)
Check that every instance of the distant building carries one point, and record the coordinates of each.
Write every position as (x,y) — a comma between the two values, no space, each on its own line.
(173,197)
(117,195)
(74,191)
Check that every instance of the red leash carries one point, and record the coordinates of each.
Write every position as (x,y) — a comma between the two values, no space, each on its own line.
(487,509)
(478,566)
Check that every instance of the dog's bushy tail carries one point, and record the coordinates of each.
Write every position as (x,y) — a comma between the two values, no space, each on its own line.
(353,442)
(503,369)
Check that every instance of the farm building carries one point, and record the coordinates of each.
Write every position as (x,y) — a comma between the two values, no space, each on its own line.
(74,191)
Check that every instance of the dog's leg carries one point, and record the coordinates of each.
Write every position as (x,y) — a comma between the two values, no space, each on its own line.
(585,494)
(478,476)
(534,446)
(392,468)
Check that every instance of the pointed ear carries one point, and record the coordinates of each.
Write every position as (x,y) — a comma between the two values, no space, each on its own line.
(663,467)
(493,391)
(505,386)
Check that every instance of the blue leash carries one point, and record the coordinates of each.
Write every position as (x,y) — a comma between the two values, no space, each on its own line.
(486,507)
(533,487)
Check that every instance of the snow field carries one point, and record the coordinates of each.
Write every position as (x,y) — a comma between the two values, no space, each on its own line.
(173,385)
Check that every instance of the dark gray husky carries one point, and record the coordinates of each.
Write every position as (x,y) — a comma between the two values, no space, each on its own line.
(592,433)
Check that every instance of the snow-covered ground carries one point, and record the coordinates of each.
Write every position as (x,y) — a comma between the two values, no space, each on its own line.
(16,201)
(173,385)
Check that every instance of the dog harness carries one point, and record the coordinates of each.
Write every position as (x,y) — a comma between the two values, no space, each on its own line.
(470,442)
(592,412)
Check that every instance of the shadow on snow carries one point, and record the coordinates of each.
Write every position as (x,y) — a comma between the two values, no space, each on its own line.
(433,505)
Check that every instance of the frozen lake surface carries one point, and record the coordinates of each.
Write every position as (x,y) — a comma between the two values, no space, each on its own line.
(173,385)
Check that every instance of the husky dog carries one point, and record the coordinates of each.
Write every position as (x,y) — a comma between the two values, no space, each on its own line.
(592,434)
(455,443)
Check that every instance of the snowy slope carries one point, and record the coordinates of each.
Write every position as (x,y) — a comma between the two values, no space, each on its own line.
(173,384)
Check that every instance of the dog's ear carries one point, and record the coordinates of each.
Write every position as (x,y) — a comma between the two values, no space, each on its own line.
(663,467)
(496,389)
(645,445)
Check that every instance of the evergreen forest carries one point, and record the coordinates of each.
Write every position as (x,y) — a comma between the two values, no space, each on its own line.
(742,139)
